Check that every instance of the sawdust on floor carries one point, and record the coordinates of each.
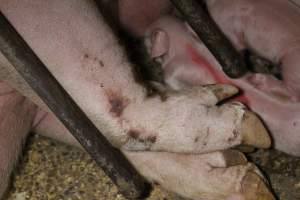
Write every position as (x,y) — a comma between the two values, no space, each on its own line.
(50,170)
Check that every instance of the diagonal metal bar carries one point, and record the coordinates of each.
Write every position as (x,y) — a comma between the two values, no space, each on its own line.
(212,37)
(31,68)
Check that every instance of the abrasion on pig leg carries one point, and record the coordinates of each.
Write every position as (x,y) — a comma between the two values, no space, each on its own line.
(16,116)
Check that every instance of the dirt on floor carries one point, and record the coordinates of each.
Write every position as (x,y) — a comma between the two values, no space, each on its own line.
(50,170)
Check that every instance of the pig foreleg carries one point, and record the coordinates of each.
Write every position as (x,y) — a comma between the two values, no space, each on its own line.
(16,117)
(74,42)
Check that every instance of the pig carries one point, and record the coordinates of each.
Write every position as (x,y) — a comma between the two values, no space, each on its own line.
(180,143)
(270,29)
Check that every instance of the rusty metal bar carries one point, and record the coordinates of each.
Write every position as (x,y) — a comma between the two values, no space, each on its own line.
(31,68)
(204,26)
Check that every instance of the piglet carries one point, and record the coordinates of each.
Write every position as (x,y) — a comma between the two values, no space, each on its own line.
(269,28)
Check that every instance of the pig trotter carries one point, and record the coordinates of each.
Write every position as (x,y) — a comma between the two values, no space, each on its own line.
(222,91)
(233,158)
(218,175)
(255,188)
(212,37)
(199,125)
(254,132)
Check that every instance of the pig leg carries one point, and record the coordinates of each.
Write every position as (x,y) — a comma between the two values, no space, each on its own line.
(16,117)
(80,50)
(213,176)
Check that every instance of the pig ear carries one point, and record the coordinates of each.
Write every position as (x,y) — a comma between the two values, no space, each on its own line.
(160,43)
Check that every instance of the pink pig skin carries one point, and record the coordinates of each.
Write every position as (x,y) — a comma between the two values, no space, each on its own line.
(271,29)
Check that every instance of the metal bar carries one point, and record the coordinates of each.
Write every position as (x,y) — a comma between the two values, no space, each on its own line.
(31,68)
(230,60)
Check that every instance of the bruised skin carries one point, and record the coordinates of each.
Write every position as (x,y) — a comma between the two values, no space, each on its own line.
(187,62)
(94,71)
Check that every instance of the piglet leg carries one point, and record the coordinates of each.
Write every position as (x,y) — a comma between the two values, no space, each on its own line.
(16,116)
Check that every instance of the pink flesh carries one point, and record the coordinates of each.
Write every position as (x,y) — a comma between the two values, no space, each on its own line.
(218,76)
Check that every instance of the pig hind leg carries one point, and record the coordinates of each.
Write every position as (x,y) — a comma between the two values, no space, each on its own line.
(16,115)
(187,174)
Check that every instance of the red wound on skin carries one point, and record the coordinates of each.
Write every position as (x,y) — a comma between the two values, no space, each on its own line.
(217,75)
(117,102)
(203,63)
